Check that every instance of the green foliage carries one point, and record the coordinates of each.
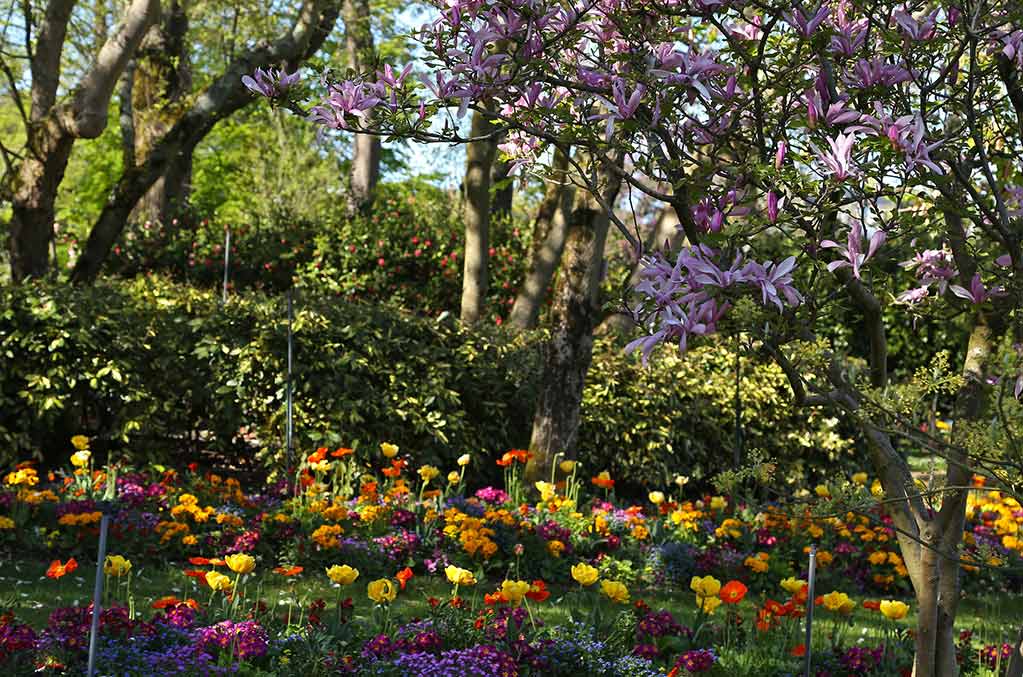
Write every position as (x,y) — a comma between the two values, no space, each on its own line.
(677,416)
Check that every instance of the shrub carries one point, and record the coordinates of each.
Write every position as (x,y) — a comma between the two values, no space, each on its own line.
(161,371)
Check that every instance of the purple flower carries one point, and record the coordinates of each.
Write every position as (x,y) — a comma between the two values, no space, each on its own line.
(839,160)
(853,252)
(270,82)
(977,293)
(806,26)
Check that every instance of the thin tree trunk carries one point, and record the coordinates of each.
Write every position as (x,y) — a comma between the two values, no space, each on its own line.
(226,95)
(501,209)
(549,232)
(1016,660)
(479,157)
(365,171)
(568,353)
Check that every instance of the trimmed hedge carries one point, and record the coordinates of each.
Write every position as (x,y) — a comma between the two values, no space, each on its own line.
(161,371)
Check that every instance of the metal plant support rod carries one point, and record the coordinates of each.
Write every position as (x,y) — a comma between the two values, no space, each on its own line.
(809,608)
(288,425)
(97,592)
(227,258)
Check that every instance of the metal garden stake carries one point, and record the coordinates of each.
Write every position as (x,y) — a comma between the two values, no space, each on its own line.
(809,608)
(106,508)
(227,258)
(288,426)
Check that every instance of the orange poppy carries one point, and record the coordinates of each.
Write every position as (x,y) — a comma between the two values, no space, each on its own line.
(395,469)
(732,592)
(317,455)
(872,604)
(164,602)
(342,452)
(404,576)
(197,574)
(774,608)
(603,482)
(288,571)
(495,598)
(58,570)
(798,651)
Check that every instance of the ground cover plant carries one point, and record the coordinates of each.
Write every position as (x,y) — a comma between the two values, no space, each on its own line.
(364,563)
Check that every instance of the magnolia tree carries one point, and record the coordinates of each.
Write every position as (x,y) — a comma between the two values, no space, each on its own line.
(804,150)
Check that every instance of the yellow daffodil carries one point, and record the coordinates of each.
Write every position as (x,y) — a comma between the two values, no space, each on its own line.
(116,565)
(894,610)
(615,591)
(342,574)
(382,591)
(459,576)
(707,586)
(584,574)
(241,563)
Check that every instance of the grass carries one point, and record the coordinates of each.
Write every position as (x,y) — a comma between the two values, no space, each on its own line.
(994,618)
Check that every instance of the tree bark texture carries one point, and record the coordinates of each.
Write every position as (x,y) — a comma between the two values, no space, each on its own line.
(568,353)
(548,243)
(162,82)
(222,98)
(365,171)
(501,207)
(479,158)
(54,127)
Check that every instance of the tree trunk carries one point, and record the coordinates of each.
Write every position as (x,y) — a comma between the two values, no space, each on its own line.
(162,82)
(365,172)
(1016,661)
(568,353)
(501,209)
(549,232)
(226,95)
(479,157)
(54,127)
(32,202)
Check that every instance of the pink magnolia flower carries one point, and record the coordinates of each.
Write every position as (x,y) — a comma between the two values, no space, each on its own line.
(269,82)
(917,31)
(853,254)
(838,160)
(977,293)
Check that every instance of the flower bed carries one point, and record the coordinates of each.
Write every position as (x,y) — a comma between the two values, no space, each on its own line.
(429,578)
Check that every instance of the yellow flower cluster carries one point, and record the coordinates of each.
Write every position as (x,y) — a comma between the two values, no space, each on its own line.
(687,517)
(227,519)
(188,505)
(758,563)
(170,530)
(27,477)
(729,527)
(838,602)
(6,522)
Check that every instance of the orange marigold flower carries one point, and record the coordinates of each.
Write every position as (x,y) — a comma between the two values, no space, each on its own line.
(732,592)
(58,570)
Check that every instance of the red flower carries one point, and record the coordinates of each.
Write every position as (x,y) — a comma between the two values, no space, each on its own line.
(732,592)
(198,561)
(798,651)
(872,604)
(538,592)
(58,570)
(342,452)
(494,598)
(288,571)
(318,455)
(404,576)
(164,602)
(197,574)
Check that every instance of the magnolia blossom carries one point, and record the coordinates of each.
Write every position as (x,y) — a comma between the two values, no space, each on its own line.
(853,254)
(270,82)
(838,160)
(977,293)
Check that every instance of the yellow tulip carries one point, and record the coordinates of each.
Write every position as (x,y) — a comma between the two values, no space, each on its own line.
(240,563)
(80,442)
(463,460)
(822,491)
(428,472)
(80,458)
(567,466)
(615,591)
(116,565)
(218,581)
(342,574)
(860,479)
(894,610)
(656,497)
(793,585)
(838,601)
(382,590)
(454,477)
(584,574)
(708,586)
(514,591)
(459,576)
(389,450)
